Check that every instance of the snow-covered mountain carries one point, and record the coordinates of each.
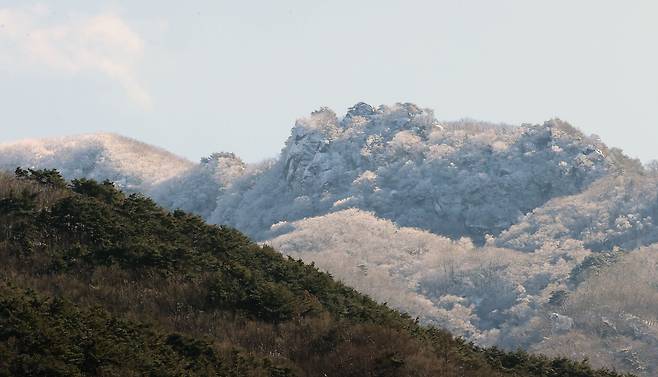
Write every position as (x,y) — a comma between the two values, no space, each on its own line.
(506,235)
(133,165)
(455,179)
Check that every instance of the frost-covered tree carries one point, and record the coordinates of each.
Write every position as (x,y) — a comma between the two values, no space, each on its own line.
(615,211)
(614,313)
(196,190)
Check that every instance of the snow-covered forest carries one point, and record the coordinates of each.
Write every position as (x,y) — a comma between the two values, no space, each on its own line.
(532,236)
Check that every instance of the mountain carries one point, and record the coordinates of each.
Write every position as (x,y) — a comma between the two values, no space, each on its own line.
(464,179)
(133,165)
(498,233)
(95,282)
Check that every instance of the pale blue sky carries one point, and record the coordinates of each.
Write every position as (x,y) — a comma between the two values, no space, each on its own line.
(202,76)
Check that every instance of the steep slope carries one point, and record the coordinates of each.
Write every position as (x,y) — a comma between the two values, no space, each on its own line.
(133,165)
(106,252)
(463,179)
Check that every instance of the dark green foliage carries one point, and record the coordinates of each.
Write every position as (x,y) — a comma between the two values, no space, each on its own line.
(17,211)
(592,264)
(103,227)
(218,304)
(105,191)
(18,205)
(50,178)
(53,338)
(525,364)
(558,298)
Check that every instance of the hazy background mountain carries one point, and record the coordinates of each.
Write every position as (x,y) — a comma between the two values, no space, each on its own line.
(197,189)
(129,163)
(506,235)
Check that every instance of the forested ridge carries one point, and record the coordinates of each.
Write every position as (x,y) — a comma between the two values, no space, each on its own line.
(96,282)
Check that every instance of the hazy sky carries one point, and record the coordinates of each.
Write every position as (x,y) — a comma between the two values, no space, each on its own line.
(197,77)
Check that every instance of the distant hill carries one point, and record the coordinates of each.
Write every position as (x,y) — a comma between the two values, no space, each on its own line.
(560,299)
(133,165)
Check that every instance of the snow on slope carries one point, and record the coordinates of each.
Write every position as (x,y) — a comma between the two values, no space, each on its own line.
(618,211)
(133,165)
(375,257)
(615,316)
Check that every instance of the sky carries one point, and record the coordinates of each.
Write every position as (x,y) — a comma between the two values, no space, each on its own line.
(198,77)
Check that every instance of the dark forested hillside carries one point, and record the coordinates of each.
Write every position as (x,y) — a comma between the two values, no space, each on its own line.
(94,282)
